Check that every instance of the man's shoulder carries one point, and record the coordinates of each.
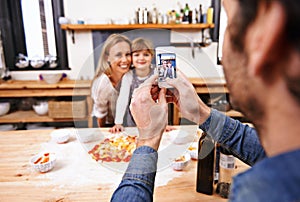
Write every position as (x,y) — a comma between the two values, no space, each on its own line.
(272,179)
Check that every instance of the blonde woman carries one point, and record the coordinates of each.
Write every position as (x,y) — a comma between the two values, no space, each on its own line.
(114,62)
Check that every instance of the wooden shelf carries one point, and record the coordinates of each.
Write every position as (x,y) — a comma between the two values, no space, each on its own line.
(233,113)
(209,85)
(17,89)
(31,117)
(135,26)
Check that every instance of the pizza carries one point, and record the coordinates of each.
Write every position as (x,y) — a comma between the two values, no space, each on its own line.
(116,148)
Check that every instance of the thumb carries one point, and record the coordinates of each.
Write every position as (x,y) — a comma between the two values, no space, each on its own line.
(173,82)
(162,96)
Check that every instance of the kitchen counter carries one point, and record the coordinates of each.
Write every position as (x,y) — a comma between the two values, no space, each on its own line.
(76,176)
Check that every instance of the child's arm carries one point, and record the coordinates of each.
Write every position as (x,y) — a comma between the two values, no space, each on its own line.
(122,102)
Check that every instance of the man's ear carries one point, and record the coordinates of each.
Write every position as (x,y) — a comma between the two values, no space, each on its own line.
(264,35)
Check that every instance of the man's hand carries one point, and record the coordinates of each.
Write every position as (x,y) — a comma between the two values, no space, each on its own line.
(186,99)
(150,116)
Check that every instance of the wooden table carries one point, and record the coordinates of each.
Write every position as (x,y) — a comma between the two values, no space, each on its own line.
(19,182)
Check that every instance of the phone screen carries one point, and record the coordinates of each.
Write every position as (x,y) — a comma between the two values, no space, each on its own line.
(166,68)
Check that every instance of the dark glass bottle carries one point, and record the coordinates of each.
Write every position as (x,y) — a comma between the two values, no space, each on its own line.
(217,166)
(200,14)
(186,11)
(205,167)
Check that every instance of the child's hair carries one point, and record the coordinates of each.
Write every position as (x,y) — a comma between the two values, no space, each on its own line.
(140,43)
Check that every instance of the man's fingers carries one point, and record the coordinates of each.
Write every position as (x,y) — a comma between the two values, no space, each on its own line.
(162,96)
(146,85)
(150,81)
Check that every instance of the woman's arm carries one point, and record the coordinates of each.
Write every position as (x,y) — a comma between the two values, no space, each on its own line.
(99,93)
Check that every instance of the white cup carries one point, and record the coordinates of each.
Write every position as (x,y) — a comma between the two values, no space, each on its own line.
(63,20)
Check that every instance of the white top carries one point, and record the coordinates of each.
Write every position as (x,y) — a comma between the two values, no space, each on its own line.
(123,99)
(105,97)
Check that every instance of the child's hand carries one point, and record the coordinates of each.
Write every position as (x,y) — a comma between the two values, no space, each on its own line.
(170,128)
(116,128)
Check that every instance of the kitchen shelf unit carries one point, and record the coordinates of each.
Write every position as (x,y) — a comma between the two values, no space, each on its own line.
(110,27)
(84,27)
(14,89)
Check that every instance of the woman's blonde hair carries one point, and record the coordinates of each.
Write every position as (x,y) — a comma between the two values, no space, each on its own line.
(140,43)
(103,65)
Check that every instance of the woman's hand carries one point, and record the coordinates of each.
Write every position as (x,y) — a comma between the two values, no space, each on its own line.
(116,128)
(150,116)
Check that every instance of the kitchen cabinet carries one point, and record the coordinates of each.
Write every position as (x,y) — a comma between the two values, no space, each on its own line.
(14,89)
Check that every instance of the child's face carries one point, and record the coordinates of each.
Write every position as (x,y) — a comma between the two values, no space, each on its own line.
(141,59)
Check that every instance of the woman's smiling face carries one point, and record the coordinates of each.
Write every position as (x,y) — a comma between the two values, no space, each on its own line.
(119,57)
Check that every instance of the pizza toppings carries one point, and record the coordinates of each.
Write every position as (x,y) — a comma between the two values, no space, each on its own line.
(42,159)
(114,149)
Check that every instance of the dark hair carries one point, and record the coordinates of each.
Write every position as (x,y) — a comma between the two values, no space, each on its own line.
(247,14)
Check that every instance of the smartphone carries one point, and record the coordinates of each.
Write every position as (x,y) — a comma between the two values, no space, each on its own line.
(166,66)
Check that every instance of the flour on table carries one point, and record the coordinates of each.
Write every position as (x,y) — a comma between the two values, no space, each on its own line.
(75,167)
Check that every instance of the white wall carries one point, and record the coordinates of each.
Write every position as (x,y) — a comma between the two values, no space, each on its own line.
(80,53)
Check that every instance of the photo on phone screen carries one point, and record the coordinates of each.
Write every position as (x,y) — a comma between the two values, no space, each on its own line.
(166,68)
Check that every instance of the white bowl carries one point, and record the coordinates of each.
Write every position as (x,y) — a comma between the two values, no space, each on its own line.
(180,137)
(4,108)
(181,162)
(37,62)
(193,150)
(37,162)
(86,137)
(41,108)
(61,136)
(52,78)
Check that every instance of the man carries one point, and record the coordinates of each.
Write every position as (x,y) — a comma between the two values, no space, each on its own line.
(169,72)
(261,59)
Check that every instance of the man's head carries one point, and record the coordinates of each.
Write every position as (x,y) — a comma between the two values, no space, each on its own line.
(261,53)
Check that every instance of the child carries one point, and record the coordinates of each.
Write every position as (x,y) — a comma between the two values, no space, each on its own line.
(142,55)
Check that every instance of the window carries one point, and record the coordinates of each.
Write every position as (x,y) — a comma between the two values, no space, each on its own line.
(38,26)
(31,27)
(222,28)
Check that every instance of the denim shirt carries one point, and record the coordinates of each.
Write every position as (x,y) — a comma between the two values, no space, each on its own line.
(138,181)
(269,179)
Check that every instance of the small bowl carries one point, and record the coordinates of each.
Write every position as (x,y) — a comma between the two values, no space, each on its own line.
(22,61)
(86,137)
(52,61)
(61,136)
(193,151)
(4,108)
(37,62)
(43,162)
(41,108)
(180,137)
(51,78)
(181,162)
